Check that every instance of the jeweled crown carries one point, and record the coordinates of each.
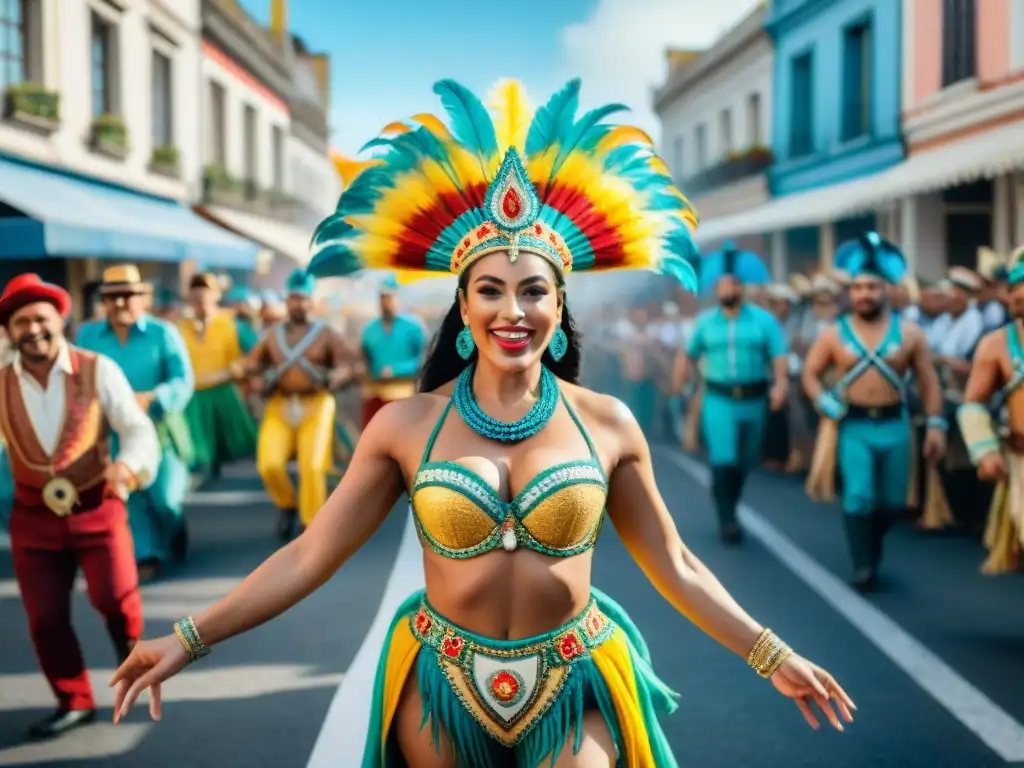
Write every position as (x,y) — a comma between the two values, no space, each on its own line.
(513,209)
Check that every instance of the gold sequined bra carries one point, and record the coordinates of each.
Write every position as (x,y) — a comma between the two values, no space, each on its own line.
(559,513)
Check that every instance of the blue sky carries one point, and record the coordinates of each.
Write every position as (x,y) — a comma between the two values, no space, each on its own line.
(385,55)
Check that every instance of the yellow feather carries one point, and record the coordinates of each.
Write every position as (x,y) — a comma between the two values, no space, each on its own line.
(622,135)
(433,124)
(396,127)
(512,114)
(348,169)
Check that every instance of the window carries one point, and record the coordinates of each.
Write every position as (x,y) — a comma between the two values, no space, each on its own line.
(249,127)
(163,100)
(700,139)
(278,141)
(801,125)
(754,119)
(103,66)
(13,27)
(217,154)
(959,57)
(725,131)
(856,81)
(678,159)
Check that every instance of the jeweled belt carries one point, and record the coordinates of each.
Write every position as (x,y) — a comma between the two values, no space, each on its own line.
(507,684)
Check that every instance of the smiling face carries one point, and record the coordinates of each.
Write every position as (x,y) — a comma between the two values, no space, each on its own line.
(512,309)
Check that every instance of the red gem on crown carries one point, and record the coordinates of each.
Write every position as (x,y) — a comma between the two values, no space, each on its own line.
(511,205)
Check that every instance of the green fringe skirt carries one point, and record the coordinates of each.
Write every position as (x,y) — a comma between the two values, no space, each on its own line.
(520,703)
(221,427)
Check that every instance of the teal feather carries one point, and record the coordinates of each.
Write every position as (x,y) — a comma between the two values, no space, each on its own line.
(554,119)
(579,132)
(471,123)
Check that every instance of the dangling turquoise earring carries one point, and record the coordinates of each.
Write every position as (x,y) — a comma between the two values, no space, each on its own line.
(558,345)
(464,343)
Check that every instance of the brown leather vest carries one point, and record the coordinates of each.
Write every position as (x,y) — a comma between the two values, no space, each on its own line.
(82,453)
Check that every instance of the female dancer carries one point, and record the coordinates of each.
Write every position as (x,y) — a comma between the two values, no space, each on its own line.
(517,659)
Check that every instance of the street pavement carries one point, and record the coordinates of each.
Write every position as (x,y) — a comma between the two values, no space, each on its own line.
(933,660)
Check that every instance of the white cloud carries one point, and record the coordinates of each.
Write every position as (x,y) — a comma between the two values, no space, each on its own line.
(620,51)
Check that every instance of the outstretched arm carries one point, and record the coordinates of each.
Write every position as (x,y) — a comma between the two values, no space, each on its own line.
(647,529)
(351,515)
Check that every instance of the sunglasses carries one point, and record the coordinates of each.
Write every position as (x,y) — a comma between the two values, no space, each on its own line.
(121,295)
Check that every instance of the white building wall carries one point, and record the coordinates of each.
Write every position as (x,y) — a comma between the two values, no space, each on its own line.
(66,64)
(310,177)
(240,90)
(728,87)
(1017,34)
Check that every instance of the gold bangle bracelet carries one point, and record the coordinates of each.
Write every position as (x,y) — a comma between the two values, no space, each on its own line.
(768,654)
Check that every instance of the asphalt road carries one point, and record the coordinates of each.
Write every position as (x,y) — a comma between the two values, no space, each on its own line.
(934,660)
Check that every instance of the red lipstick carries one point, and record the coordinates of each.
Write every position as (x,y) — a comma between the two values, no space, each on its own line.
(512,338)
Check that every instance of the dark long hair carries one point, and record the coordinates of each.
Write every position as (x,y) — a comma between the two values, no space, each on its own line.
(444,364)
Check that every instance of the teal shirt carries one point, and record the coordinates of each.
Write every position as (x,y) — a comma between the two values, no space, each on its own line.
(247,335)
(740,350)
(400,348)
(154,359)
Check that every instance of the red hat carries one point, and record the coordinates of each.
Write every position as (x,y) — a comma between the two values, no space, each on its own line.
(27,289)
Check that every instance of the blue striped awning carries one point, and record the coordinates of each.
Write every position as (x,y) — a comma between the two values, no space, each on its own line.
(66,216)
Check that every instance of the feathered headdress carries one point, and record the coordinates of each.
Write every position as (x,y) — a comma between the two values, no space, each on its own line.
(583,194)
(869,254)
(1015,267)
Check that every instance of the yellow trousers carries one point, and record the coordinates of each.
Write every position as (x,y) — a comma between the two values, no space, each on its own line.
(303,428)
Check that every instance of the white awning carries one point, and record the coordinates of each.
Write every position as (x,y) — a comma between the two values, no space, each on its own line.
(985,155)
(286,239)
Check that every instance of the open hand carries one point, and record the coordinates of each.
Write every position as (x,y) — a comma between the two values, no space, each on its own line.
(934,447)
(777,397)
(149,664)
(804,682)
(992,468)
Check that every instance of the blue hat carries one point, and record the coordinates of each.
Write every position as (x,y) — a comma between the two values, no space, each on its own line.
(238,294)
(389,286)
(871,256)
(301,283)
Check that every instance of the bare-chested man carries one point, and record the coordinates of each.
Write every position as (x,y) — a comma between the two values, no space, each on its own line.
(301,363)
(872,349)
(994,383)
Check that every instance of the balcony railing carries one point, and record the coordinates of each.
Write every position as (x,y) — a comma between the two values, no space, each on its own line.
(246,195)
(734,168)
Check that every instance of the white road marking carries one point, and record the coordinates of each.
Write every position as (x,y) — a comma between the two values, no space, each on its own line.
(978,713)
(343,734)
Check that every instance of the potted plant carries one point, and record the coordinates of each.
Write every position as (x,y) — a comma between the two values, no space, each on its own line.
(165,161)
(33,105)
(110,136)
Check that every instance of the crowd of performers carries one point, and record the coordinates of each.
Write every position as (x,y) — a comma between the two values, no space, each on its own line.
(870,384)
(108,426)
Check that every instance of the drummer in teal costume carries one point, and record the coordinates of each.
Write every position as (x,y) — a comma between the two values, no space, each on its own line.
(872,351)
(152,355)
(742,355)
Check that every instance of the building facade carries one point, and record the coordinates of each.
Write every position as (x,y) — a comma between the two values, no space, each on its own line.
(715,109)
(99,146)
(963,108)
(836,125)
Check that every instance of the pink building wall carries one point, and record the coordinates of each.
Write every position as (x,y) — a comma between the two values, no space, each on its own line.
(994,27)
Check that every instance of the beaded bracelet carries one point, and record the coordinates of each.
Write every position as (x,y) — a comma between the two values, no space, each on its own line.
(189,637)
(768,654)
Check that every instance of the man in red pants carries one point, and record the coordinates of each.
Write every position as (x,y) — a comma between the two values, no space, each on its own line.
(57,405)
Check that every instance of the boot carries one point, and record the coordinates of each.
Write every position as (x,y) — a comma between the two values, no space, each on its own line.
(860,539)
(882,520)
(725,489)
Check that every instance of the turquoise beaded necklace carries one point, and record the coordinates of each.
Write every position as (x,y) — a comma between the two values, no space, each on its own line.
(505,431)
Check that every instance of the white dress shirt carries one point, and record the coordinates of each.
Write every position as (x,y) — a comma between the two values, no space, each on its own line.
(139,445)
(958,336)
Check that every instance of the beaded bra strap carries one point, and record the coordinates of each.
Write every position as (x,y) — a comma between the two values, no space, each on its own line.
(435,432)
(586,435)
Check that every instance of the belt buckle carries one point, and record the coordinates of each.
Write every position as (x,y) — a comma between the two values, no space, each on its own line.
(873,413)
(60,496)
(737,392)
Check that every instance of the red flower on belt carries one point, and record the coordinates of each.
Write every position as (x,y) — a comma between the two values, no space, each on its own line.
(423,622)
(569,646)
(452,646)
